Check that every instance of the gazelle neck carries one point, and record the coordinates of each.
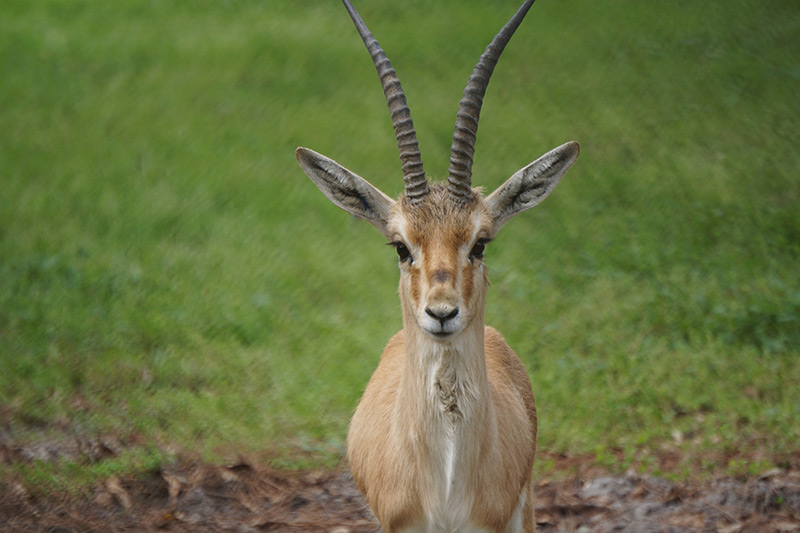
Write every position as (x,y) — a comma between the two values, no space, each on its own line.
(444,377)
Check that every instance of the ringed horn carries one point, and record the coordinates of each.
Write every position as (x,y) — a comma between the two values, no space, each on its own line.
(469,110)
(413,173)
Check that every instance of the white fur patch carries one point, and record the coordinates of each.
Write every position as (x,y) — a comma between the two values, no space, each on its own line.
(517,519)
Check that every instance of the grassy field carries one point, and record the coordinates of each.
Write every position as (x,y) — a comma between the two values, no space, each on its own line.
(169,278)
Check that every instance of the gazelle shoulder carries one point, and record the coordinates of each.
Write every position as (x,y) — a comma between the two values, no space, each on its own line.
(395,347)
(501,358)
(503,363)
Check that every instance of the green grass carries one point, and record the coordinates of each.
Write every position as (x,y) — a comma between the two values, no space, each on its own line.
(169,276)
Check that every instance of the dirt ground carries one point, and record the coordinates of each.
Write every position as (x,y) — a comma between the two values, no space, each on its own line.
(248,498)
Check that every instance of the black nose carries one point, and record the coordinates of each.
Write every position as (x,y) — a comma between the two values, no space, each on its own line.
(442,313)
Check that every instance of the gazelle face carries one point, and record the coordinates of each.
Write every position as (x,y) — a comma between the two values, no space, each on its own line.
(440,238)
(440,246)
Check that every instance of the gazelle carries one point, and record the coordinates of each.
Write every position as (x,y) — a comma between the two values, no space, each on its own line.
(444,437)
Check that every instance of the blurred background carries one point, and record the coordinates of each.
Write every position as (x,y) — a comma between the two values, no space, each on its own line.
(172,285)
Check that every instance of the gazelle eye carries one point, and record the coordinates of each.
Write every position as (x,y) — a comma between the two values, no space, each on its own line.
(402,251)
(477,250)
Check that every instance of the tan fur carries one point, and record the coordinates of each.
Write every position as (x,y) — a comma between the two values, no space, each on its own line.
(469,389)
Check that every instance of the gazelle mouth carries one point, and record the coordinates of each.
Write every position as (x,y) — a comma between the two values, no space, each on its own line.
(441,334)
(438,331)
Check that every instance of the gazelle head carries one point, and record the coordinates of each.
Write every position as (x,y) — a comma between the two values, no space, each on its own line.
(439,229)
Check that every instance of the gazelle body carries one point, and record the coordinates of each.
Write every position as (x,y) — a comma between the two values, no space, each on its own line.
(444,437)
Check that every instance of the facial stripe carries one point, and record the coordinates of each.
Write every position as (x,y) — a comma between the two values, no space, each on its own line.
(414,286)
(467,282)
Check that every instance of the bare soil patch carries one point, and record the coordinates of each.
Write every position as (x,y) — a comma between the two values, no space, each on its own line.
(195,497)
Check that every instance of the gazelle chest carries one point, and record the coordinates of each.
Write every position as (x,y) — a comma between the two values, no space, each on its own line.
(450,418)
(454,450)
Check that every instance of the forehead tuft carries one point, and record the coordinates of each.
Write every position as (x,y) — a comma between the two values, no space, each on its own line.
(438,213)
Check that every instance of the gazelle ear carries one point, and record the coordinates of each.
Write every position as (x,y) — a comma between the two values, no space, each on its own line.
(530,185)
(346,189)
